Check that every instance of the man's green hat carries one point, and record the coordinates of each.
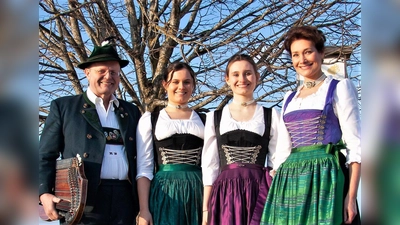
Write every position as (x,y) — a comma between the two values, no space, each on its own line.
(102,54)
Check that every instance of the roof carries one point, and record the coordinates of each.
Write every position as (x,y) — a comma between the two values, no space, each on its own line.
(335,51)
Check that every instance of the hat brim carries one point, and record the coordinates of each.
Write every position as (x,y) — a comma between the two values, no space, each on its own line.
(84,65)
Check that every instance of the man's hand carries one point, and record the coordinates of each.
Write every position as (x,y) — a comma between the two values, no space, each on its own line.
(48,201)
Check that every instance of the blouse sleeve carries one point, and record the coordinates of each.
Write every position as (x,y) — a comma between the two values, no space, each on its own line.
(273,138)
(210,157)
(346,108)
(144,144)
(284,143)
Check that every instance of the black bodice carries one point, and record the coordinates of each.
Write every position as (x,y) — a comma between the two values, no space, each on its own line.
(180,143)
(246,139)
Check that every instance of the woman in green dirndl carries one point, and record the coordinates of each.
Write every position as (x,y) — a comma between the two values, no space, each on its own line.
(314,183)
(169,144)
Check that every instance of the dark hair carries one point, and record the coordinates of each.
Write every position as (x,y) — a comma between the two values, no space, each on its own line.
(176,66)
(309,33)
(240,57)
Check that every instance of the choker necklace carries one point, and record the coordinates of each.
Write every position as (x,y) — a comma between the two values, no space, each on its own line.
(244,103)
(311,84)
(178,106)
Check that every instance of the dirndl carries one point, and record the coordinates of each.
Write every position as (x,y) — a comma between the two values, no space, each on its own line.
(307,189)
(176,195)
(236,193)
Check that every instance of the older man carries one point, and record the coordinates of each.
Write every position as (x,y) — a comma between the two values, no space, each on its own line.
(102,130)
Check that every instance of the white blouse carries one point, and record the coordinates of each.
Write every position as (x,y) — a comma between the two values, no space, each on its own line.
(210,158)
(165,127)
(115,160)
(345,105)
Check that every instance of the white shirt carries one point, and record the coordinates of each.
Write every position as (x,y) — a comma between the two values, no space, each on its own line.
(345,105)
(165,127)
(115,161)
(210,158)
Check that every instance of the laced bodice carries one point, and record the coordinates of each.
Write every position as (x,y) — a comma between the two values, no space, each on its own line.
(241,154)
(179,148)
(188,156)
(313,126)
(242,146)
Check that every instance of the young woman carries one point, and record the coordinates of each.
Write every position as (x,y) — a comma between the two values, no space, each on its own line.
(239,141)
(309,186)
(169,144)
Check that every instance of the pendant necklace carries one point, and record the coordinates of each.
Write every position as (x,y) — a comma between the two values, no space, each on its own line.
(311,84)
(244,103)
(178,106)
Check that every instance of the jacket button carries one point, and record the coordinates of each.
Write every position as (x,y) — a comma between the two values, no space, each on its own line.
(131,138)
(85,105)
(89,136)
(85,155)
(83,111)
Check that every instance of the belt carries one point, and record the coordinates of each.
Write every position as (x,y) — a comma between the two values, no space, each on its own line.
(114,182)
(179,167)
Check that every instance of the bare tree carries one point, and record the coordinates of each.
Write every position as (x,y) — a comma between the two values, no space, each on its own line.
(204,34)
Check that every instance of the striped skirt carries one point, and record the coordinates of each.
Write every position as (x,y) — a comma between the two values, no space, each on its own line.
(176,195)
(307,189)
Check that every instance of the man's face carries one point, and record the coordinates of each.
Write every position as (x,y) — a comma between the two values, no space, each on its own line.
(103,78)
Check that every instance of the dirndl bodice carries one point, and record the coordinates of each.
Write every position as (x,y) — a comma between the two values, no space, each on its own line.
(311,126)
(179,149)
(242,146)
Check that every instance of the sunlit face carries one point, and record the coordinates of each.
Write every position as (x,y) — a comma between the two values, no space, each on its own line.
(180,87)
(306,59)
(103,78)
(242,78)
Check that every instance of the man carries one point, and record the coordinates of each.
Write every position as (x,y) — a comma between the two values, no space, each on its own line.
(102,130)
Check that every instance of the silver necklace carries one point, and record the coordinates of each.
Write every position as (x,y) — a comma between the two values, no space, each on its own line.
(244,103)
(311,84)
(178,106)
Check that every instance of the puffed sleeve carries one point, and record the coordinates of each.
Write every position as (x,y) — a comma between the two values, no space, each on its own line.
(210,157)
(284,143)
(273,137)
(144,144)
(348,113)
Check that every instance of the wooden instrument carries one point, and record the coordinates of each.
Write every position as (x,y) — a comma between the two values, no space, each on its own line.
(71,188)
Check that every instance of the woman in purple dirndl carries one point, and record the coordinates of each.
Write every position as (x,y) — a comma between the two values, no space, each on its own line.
(314,182)
(239,141)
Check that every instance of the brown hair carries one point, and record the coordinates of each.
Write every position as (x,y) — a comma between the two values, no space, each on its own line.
(309,33)
(240,57)
(176,66)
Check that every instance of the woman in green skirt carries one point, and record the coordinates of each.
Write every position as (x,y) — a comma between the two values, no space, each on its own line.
(314,183)
(169,144)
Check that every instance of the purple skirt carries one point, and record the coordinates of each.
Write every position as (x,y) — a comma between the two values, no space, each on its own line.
(239,194)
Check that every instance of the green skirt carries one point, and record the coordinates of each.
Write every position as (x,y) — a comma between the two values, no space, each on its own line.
(176,195)
(307,189)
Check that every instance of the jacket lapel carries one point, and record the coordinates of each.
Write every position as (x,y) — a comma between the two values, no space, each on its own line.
(123,119)
(88,111)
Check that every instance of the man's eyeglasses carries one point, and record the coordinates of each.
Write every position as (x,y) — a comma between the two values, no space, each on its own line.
(103,72)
